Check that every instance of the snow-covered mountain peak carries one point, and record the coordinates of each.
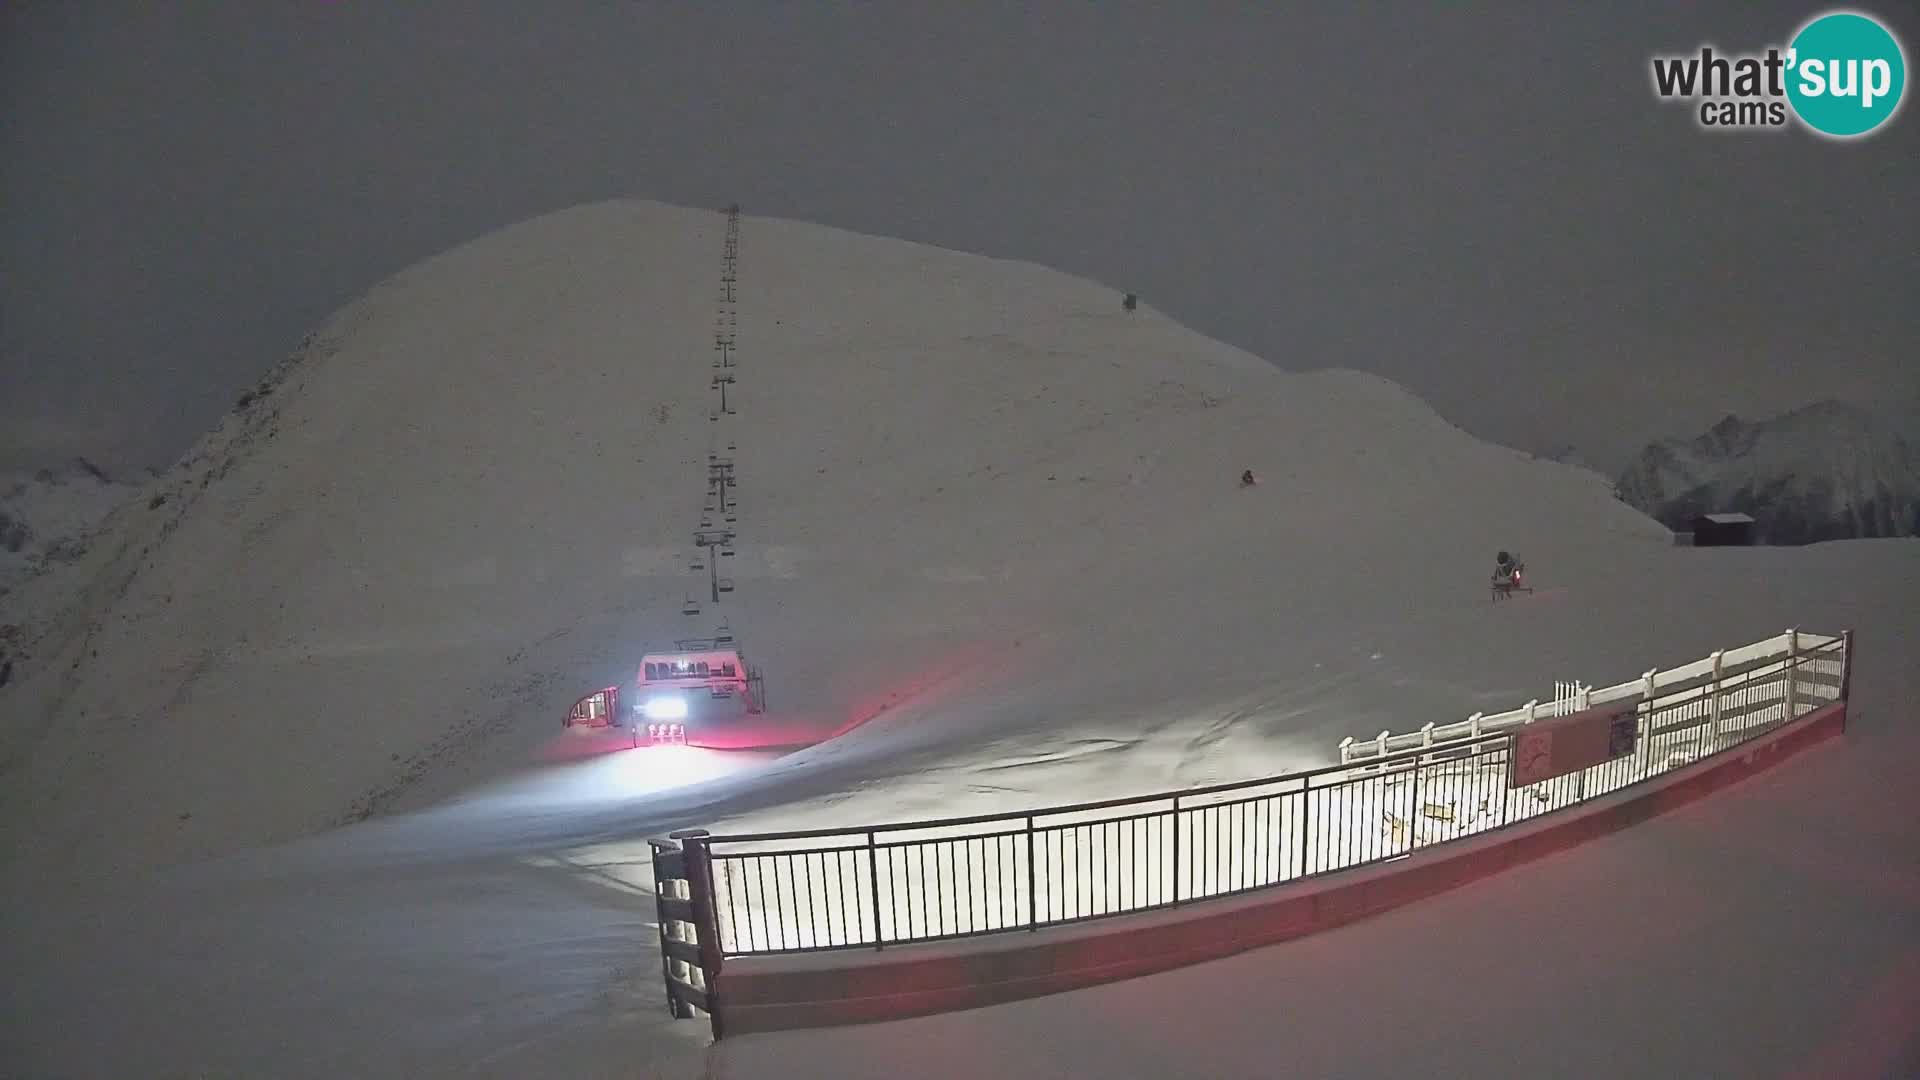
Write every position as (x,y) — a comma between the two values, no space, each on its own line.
(1828,470)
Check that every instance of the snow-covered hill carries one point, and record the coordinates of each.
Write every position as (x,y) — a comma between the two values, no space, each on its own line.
(1824,472)
(978,499)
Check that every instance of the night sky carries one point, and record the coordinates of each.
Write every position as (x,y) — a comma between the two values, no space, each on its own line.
(1484,202)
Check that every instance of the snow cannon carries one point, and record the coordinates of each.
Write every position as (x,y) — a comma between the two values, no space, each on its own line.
(1509,576)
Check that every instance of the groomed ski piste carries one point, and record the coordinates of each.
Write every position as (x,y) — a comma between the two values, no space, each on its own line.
(286,792)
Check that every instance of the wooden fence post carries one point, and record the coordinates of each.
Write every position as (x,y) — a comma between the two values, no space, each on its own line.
(669,862)
(706,925)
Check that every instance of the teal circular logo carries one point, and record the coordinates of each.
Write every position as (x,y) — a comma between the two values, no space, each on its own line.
(1846,74)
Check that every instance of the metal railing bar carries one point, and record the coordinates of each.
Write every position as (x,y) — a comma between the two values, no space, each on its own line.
(1116,861)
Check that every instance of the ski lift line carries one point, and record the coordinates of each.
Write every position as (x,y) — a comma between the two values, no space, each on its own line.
(720,472)
(724,341)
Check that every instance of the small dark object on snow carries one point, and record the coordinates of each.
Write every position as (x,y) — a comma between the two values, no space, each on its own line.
(1130,302)
(1723,530)
(1508,573)
(1247,480)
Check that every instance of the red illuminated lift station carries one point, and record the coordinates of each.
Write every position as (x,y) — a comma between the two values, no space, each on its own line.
(701,681)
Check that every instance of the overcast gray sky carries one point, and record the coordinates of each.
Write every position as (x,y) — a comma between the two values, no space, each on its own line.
(1481,201)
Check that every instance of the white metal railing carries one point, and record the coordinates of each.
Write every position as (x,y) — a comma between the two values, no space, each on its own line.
(1778,651)
(886,884)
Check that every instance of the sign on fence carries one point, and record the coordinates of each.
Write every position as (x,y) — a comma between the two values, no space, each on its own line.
(1571,743)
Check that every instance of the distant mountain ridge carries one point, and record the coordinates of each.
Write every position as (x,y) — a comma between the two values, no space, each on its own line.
(1827,471)
(46,515)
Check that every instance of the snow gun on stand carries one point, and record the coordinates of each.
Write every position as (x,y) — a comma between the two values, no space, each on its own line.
(1509,576)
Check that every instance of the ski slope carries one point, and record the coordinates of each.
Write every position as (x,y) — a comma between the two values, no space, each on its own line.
(991,533)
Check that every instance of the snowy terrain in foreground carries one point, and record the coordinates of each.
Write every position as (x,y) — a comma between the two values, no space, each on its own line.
(510,933)
(992,524)
(1771,930)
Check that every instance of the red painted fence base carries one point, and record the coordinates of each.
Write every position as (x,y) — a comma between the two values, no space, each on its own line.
(826,989)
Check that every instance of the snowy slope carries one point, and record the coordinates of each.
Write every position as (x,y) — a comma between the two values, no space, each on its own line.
(1686,945)
(472,497)
(509,934)
(46,522)
(1826,471)
(987,517)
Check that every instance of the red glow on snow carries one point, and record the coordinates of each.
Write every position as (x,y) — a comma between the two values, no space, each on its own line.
(1878,1029)
(941,679)
(579,744)
(727,725)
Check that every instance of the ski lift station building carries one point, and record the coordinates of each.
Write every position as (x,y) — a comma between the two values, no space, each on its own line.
(1723,530)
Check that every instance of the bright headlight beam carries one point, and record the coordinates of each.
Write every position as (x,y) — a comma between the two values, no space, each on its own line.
(666,708)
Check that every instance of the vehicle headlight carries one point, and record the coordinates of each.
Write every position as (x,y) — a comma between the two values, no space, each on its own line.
(666,708)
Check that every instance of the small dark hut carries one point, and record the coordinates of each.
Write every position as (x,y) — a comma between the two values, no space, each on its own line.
(1723,530)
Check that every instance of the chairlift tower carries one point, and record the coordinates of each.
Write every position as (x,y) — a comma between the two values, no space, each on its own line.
(720,541)
(719,478)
